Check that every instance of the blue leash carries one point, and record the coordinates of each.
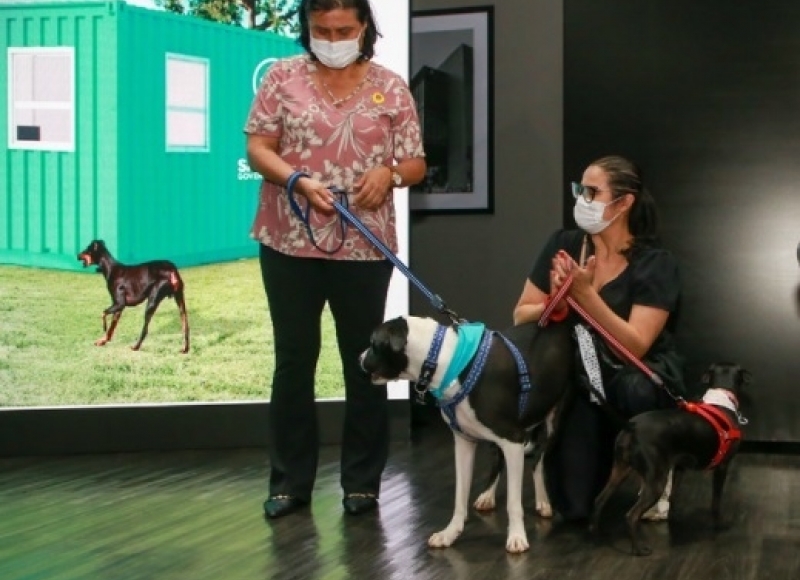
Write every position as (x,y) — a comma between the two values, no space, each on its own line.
(305,217)
(435,300)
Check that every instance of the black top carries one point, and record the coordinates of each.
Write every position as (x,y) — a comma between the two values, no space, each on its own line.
(651,279)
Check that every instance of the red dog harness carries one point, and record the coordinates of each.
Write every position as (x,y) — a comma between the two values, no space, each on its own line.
(727,432)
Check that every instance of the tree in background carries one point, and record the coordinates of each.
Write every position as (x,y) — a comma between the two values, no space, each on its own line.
(279,16)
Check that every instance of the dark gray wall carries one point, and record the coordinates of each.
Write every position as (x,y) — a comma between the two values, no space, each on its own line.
(478,263)
(704,95)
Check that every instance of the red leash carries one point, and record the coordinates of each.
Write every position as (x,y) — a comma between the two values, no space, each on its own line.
(726,431)
(561,294)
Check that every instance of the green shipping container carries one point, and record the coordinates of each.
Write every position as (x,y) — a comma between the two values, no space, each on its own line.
(125,124)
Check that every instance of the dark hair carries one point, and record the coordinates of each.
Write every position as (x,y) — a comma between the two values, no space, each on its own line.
(363,13)
(625,177)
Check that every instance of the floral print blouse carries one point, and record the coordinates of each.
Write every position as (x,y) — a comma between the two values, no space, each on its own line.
(334,145)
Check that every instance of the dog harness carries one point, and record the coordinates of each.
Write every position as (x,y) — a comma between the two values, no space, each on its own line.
(478,362)
(727,432)
(469,340)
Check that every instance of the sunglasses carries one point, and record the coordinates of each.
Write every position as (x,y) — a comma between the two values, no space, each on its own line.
(587,192)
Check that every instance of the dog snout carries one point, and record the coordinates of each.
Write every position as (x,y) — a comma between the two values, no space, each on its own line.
(370,366)
(368,362)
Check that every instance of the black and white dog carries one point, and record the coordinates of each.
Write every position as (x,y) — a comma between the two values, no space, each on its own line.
(703,435)
(492,410)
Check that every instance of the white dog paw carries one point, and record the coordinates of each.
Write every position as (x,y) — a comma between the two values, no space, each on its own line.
(517,543)
(444,539)
(658,513)
(544,509)
(485,502)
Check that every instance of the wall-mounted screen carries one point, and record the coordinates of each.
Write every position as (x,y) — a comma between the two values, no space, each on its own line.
(156,170)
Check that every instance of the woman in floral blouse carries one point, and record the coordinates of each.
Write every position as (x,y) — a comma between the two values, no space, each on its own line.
(350,124)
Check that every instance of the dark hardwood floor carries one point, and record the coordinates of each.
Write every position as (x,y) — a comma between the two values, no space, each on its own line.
(197,515)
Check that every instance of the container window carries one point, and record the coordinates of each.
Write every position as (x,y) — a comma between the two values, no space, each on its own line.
(41,103)
(187,104)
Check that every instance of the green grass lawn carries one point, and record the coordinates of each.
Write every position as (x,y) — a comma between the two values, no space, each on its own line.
(49,321)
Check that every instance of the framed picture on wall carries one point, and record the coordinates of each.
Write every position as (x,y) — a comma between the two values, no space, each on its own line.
(451,80)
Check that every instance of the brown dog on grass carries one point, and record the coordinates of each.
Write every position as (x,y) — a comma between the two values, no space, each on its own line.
(132,285)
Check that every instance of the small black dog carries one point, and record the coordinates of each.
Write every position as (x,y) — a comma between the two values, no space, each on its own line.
(132,285)
(657,442)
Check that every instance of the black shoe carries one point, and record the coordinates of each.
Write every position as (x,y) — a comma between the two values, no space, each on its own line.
(282,505)
(359,503)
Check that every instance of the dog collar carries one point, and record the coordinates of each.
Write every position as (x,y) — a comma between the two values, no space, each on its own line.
(720,398)
(469,339)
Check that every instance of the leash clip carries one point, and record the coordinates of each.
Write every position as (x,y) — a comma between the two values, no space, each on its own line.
(420,392)
(425,375)
(454,318)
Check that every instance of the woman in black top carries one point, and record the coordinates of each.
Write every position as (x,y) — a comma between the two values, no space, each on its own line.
(631,286)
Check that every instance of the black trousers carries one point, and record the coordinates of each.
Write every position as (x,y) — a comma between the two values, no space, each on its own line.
(579,463)
(297,290)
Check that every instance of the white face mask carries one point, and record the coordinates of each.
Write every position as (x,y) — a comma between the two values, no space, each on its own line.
(589,216)
(337,54)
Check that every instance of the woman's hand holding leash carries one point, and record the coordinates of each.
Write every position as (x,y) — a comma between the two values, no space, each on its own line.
(582,276)
(317,194)
(566,271)
(568,280)
(372,188)
(559,274)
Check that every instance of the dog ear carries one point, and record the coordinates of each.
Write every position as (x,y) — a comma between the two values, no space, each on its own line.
(396,334)
(387,335)
(745,376)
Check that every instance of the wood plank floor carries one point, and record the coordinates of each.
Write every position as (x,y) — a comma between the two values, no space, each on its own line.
(197,515)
